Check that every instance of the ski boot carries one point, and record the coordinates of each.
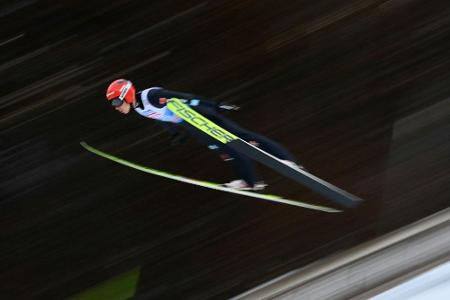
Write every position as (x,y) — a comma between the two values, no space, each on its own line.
(241,185)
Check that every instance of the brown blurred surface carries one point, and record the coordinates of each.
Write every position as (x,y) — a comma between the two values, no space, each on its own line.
(358,90)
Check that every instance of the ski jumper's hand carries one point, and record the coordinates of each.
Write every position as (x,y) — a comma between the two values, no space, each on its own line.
(227,106)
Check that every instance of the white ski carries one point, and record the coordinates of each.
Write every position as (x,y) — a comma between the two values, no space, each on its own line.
(309,180)
(207,184)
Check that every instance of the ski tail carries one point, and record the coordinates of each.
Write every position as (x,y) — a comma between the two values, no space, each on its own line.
(315,183)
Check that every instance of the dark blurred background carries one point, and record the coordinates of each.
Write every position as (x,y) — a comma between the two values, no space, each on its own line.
(359,90)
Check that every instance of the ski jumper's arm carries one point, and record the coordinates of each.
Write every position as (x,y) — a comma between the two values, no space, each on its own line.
(177,135)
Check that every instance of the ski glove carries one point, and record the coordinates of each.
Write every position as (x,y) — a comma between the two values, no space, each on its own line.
(227,106)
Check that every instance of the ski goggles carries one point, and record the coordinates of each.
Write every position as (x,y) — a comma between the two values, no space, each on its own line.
(116,102)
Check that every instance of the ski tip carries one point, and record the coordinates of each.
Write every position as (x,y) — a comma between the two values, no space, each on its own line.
(85,145)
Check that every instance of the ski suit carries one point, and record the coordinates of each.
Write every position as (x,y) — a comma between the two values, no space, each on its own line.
(151,103)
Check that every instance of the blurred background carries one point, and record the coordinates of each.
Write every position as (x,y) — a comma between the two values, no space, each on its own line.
(359,90)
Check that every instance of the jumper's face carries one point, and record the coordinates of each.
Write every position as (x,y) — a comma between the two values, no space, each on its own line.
(124,108)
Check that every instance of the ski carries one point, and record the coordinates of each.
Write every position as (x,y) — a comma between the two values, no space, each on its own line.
(206,184)
(315,183)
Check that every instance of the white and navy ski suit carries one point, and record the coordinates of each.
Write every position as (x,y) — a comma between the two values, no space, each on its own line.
(151,103)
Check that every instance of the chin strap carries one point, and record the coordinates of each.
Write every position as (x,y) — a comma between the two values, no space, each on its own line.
(137,101)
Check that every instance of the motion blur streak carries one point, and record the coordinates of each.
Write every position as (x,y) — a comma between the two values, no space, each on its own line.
(359,90)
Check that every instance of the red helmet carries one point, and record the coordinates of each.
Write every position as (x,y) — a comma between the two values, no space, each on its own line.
(120,90)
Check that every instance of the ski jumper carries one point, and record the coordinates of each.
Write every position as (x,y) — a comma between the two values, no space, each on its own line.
(151,103)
